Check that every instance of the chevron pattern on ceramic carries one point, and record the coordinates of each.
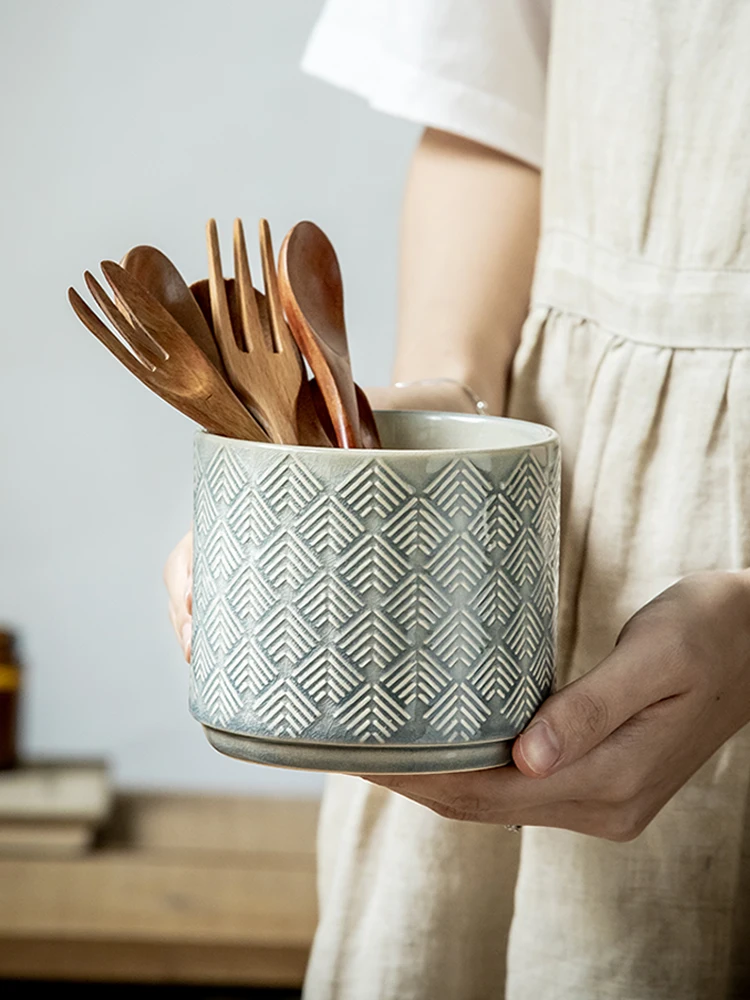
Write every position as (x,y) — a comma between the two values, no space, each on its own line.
(205,511)
(370,640)
(284,636)
(495,600)
(419,526)
(252,519)
(287,562)
(287,487)
(497,522)
(458,714)
(249,593)
(329,526)
(373,564)
(419,674)
(328,674)
(371,714)
(221,697)
(224,476)
(288,707)
(460,487)
(461,563)
(327,602)
(386,606)
(417,602)
(374,489)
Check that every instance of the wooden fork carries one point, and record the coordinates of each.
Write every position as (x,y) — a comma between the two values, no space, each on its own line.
(162,355)
(259,353)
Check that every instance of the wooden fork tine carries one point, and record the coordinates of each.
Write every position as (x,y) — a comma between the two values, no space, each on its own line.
(252,328)
(222,320)
(282,338)
(141,343)
(139,368)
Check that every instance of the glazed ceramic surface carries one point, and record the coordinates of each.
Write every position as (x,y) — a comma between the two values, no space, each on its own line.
(372,611)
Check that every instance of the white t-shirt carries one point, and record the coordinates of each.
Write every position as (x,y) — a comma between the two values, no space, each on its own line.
(473,67)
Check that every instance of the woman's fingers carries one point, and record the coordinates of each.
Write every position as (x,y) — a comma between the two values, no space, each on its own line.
(643,669)
(628,735)
(178,577)
(613,792)
(493,795)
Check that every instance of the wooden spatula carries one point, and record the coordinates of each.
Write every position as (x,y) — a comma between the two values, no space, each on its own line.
(162,356)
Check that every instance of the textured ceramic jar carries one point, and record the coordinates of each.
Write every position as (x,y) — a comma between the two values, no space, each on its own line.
(375,611)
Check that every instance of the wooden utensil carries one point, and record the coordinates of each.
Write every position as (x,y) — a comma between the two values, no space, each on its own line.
(312,297)
(261,355)
(311,431)
(367,425)
(163,356)
(158,274)
(266,373)
(310,428)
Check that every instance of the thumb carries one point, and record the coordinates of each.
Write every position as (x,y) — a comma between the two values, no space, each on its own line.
(580,716)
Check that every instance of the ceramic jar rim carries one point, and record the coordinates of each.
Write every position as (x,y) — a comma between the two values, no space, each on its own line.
(546,436)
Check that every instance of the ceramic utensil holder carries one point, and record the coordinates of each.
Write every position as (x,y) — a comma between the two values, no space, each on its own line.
(376,611)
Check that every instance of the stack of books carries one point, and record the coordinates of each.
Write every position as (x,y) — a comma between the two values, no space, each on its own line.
(53,808)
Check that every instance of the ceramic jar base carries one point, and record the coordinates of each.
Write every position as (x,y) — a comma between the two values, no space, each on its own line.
(361,760)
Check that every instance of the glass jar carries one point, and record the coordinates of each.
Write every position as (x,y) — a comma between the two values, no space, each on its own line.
(10,682)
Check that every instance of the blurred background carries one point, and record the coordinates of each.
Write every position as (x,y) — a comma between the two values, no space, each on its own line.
(125,124)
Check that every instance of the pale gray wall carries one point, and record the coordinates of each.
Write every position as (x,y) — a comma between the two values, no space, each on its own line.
(123,124)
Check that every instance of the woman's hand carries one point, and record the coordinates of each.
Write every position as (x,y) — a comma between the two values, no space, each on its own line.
(178,576)
(606,753)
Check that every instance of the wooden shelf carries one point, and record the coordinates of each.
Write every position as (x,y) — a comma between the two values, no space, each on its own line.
(181,889)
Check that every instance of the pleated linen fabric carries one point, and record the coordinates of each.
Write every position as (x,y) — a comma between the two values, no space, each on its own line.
(637,350)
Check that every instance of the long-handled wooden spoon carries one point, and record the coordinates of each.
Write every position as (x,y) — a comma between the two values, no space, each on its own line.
(313,300)
(367,425)
(163,356)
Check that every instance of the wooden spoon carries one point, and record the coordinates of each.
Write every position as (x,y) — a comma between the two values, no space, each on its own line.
(367,425)
(310,430)
(163,356)
(312,296)
(158,274)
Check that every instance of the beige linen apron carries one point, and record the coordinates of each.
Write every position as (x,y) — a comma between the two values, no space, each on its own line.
(637,349)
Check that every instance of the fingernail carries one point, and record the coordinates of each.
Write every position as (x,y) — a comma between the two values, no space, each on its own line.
(186,634)
(540,747)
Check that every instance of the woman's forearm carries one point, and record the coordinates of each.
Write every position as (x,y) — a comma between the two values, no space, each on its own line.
(469,235)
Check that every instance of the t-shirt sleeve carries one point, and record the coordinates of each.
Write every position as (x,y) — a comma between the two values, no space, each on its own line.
(476,68)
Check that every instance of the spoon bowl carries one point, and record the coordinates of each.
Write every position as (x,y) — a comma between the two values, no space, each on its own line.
(156,272)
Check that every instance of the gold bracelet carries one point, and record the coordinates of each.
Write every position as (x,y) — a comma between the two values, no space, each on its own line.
(480,405)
